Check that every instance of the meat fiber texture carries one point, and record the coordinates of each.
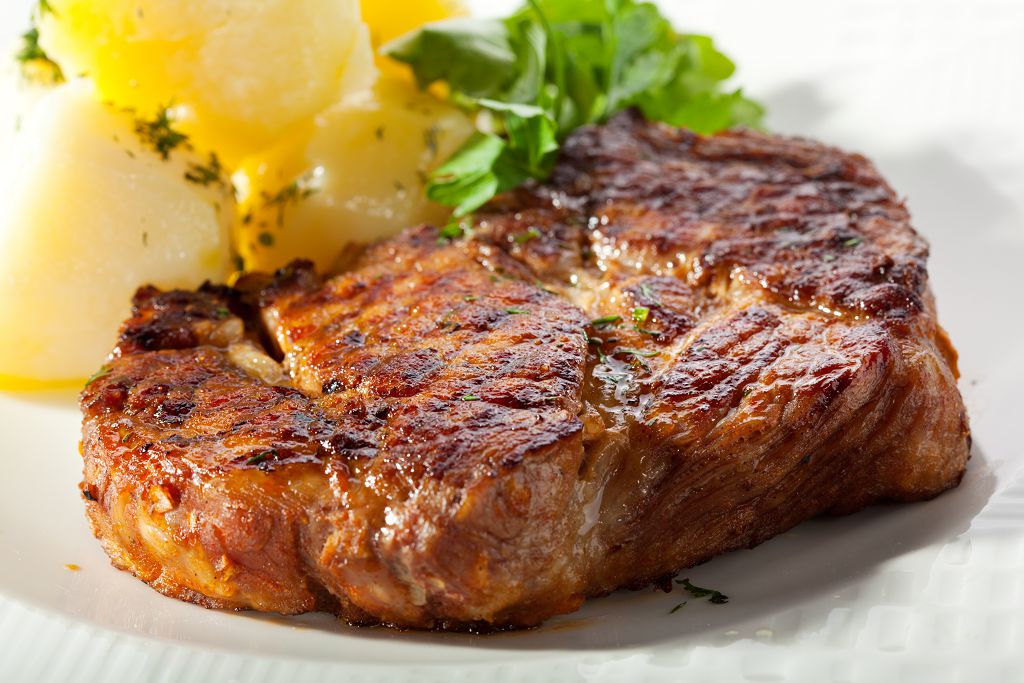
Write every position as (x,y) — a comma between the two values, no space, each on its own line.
(679,346)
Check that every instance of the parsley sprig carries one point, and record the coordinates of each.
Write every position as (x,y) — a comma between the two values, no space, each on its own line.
(553,66)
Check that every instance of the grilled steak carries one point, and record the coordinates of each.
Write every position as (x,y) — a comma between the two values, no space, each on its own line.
(679,346)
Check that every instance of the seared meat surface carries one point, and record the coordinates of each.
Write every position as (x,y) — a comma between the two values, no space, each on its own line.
(679,346)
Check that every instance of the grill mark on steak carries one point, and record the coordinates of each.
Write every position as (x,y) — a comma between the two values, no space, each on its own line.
(812,225)
(443,437)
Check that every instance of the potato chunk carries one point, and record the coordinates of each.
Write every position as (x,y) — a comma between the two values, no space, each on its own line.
(355,174)
(91,212)
(246,71)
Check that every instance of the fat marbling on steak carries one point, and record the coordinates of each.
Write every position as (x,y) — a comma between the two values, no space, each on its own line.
(679,346)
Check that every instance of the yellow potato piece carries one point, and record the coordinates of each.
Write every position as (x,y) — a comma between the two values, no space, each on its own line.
(244,71)
(90,213)
(354,174)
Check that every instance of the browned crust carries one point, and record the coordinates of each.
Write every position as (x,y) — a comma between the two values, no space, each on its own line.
(456,445)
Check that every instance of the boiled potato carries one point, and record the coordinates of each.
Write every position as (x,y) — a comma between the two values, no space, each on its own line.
(242,72)
(354,174)
(91,211)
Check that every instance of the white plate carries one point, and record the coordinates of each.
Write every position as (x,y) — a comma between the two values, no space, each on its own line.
(931,91)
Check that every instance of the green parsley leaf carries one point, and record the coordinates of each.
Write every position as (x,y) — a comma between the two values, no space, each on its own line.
(553,66)
(479,169)
(677,607)
(853,242)
(640,315)
(475,56)
(452,231)
(516,311)
(470,397)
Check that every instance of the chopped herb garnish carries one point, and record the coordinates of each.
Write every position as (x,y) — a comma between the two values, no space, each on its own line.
(292,193)
(852,242)
(212,172)
(470,397)
(379,132)
(102,372)
(46,8)
(222,312)
(713,596)
(677,608)
(32,53)
(606,320)
(596,341)
(266,239)
(828,258)
(516,311)
(640,315)
(126,437)
(637,352)
(159,133)
(260,457)
(530,234)
(145,238)
(470,297)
